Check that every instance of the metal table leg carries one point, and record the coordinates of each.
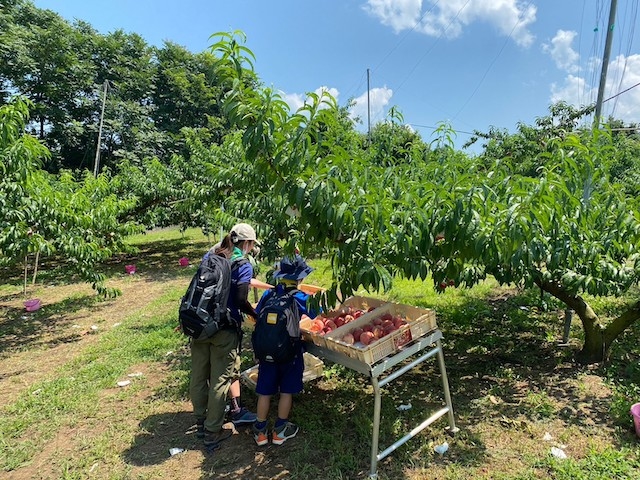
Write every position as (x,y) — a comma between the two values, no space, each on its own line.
(445,387)
(377,406)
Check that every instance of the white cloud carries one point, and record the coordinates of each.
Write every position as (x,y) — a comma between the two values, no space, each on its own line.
(449,17)
(397,14)
(576,91)
(297,100)
(378,99)
(561,51)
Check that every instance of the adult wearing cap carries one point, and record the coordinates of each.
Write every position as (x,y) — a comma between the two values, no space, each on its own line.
(282,378)
(215,362)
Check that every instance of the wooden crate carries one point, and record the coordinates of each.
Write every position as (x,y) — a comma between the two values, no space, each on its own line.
(313,368)
(419,322)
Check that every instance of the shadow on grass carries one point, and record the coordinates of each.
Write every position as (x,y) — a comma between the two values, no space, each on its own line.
(160,433)
(156,262)
(49,326)
(506,374)
(157,259)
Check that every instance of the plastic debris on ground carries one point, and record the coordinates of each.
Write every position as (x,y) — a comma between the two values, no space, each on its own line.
(135,374)
(441,449)
(94,327)
(402,408)
(32,305)
(175,451)
(558,453)
(124,383)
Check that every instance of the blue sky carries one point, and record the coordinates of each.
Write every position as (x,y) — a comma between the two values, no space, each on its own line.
(472,63)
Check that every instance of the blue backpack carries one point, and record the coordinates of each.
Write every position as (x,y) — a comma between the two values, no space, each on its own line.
(276,336)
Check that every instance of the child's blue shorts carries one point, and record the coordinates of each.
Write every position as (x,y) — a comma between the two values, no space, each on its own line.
(280,377)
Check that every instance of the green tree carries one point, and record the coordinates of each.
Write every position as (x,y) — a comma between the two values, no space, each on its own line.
(567,230)
(46,60)
(42,214)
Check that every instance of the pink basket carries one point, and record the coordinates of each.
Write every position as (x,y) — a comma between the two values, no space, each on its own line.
(183,262)
(635,412)
(32,305)
(130,269)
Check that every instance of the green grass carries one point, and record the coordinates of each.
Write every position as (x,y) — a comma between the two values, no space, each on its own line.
(73,393)
(621,464)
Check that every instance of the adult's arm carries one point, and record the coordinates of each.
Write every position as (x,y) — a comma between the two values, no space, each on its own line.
(241,300)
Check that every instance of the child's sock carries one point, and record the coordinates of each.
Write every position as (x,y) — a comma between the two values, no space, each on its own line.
(260,424)
(280,421)
(235,405)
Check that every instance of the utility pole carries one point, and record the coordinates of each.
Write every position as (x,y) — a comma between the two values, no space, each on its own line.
(605,62)
(368,108)
(96,164)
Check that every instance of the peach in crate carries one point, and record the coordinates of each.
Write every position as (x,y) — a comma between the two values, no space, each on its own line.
(381,332)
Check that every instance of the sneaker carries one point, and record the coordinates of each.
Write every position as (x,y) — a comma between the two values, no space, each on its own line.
(260,436)
(243,417)
(284,432)
(214,438)
(200,428)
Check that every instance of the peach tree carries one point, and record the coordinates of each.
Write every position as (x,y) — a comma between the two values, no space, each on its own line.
(78,221)
(569,231)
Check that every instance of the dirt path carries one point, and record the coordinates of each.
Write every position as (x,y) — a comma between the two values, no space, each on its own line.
(137,435)
(40,345)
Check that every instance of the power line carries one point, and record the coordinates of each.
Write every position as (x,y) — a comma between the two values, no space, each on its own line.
(406,35)
(432,46)
(435,128)
(623,91)
(495,59)
(395,47)
(634,15)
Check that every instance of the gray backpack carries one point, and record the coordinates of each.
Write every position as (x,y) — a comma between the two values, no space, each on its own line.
(203,309)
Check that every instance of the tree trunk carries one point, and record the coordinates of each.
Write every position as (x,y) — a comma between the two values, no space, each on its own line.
(597,337)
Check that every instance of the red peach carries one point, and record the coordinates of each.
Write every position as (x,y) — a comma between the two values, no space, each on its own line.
(367,328)
(377,332)
(386,323)
(339,321)
(377,321)
(389,328)
(356,333)
(398,322)
(366,338)
(330,324)
(315,328)
(348,318)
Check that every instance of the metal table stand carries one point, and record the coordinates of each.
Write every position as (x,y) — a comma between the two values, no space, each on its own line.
(386,367)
